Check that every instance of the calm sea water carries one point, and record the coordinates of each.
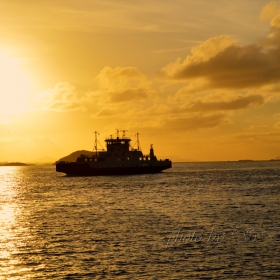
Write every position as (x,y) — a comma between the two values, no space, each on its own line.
(194,221)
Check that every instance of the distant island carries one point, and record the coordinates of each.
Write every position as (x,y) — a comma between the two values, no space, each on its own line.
(73,156)
(13,164)
(277,159)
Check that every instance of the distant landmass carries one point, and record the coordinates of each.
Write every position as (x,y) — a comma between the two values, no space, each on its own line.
(73,156)
(277,158)
(44,159)
(13,164)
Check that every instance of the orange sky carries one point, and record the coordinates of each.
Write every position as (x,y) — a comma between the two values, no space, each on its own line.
(198,79)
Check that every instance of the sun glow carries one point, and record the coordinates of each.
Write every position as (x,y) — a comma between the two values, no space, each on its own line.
(15,86)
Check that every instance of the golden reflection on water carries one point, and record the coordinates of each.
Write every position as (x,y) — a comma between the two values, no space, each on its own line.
(10,178)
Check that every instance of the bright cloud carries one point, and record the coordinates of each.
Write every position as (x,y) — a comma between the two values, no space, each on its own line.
(238,102)
(120,85)
(270,10)
(234,66)
(62,97)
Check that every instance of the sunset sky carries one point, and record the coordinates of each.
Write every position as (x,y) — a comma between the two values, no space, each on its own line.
(198,79)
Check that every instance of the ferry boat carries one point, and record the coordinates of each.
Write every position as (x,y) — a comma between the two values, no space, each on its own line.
(120,158)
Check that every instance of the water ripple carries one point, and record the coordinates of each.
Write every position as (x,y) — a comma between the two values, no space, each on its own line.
(194,221)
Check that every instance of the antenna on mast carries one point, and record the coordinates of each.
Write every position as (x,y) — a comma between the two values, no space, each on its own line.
(123,133)
(96,142)
(138,142)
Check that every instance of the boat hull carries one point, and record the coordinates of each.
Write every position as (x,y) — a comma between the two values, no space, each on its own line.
(84,169)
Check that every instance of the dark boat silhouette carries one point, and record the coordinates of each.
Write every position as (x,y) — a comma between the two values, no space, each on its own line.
(120,158)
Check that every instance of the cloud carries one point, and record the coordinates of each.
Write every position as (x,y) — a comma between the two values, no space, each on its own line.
(105,113)
(223,63)
(239,102)
(218,77)
(195,122)
(234,67)
(118,78)
(200,54)
(129,94)
(256,127)
(27,140)
(277,125)
(251,137)
(62,97)
(270,10)
(120,85)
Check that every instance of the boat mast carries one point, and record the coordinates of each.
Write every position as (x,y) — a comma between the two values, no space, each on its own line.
(138,142)
(123,133)
(95,142)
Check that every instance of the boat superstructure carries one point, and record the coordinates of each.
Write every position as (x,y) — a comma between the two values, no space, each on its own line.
(119,158)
